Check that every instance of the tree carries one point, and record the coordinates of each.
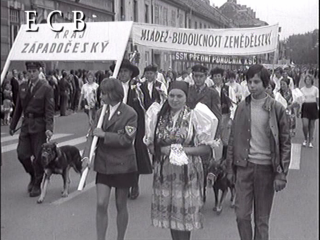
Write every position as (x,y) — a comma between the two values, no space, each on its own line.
(303,48)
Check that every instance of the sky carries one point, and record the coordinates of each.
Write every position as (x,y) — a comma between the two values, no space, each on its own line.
(293,16)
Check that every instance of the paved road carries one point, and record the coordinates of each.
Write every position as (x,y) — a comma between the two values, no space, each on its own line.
(295,213)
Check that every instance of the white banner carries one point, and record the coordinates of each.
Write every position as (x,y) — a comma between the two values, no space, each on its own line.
(233,41)
(99,41)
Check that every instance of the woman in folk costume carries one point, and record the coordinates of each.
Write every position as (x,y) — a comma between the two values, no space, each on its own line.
(133,96)
(178,136)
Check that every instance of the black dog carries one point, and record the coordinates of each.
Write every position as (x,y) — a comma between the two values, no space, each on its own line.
(58,160)
(217,178)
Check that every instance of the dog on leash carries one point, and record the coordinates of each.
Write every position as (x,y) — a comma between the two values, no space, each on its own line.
(59,160)
(217,178)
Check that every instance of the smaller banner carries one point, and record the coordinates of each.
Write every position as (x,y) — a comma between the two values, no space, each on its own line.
(233,41)
(213,59)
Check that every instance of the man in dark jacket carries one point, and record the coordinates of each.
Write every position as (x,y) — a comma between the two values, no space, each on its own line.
(200,92)
(35,101)
(153,89)
(258,155)
(132,97)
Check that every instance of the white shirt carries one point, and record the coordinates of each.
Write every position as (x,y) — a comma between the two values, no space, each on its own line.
(125,91)
(311,94)
(232,96)
(245,89)
(150,87)
(237,89)
(113,109)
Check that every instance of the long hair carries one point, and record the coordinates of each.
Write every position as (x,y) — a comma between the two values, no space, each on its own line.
(164,109)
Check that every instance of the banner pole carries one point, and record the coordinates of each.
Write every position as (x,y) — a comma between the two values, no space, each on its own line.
(5,69)
(276,53)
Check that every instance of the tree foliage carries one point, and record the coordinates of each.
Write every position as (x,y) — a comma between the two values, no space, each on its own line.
(303,48)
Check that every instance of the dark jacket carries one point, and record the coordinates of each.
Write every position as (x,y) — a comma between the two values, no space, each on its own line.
(37,108)
(155,93)
(142,155)
(239,142)
(115,152)
(208,96)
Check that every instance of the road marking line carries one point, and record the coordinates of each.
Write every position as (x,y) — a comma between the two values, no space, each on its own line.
(15,137)
(74,141)
(295,156)
(74,194)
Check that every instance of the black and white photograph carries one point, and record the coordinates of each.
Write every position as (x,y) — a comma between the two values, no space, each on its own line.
(159,120)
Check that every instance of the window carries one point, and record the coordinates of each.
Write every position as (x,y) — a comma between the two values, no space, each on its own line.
(122,11)
(195,25)
(173,18)
(156,14)
(200,25)
(165,16)
(181,20)
(189,24)
(146,16)
(147,62)
(14,24)
(135,11)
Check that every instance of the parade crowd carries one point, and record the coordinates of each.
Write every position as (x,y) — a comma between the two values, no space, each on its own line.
(171,125)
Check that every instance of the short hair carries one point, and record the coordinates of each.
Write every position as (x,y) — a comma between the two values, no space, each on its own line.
(113,87)
(279,69)
(231,75)
(286,80)
(261,71)
(89,73)
(216,71)
(64,74)
(310,77)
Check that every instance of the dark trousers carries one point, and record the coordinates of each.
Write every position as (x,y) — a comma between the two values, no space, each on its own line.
(75,100)
(63,104)
(30,145)
(56,99)
(254,187)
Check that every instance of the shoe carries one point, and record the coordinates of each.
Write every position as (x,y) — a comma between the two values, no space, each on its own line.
(30,185)
(134,193)
(310,145)
(35,192)
(304,143)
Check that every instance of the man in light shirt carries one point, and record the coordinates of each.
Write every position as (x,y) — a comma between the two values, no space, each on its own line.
(231,82)
(153,89)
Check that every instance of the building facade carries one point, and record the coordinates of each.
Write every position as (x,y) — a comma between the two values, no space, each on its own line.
(13,15)
(198,14)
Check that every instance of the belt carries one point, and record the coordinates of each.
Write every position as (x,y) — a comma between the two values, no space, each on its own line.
(33,115)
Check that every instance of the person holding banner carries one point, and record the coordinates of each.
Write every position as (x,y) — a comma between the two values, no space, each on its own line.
(114,161)
(258,156)
(178,136)
(36,102)
(132,97)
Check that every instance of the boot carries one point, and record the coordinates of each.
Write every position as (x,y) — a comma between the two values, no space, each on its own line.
(35,191)
(30,185)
